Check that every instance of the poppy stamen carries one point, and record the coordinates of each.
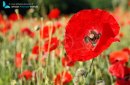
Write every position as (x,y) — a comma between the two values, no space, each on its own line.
(92,37)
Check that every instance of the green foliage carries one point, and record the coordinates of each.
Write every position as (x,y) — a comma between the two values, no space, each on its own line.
(103,4)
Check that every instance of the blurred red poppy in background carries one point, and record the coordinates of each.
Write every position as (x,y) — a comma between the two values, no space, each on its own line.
(54,42)
(63,78)
(15,17)
(27,74)
(66,62)
(44,33)
(18,59)
(89,33)
(117,69)
(35,50)
(121,72)
(5,25)
(119,56)
(27,31)
(54,13)
(127,50)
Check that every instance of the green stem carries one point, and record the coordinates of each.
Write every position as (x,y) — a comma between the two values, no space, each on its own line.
(89,70)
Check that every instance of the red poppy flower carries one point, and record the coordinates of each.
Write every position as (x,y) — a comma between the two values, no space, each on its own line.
(117,69)
(35,50)
(18,60)
(54,13)
(63,78)
(121,35)
(127,50)
(27,31)
(89,33)
(27,74)
(54,42)
(119,56)
(127,72)
(5,26)
(66,62)
(15,17)
(120,71)
(44,33)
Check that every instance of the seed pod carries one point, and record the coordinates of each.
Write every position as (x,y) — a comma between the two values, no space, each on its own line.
(80,72)
(36,28)
(100,82)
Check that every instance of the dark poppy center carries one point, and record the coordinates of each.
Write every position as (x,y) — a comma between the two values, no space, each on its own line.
(92,37)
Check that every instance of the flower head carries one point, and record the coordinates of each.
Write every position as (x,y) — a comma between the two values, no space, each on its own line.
(117,69)
(35,50)
(54,42)
(27,31)
(54,13)
(27,74)
(44,33)
(63,78)
(66,62)
(121,56)
(15,17)
(18,59)
(89,33)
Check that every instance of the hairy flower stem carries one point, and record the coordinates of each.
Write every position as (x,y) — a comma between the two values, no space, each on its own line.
(111,79)
(89,70)
(48,51)
(40,72)
(95,69)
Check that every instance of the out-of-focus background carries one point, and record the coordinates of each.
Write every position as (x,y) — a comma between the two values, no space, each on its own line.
(32,49)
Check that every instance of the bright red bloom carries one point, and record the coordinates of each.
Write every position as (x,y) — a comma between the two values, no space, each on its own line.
(44,33)
(117,69)
(27,31)
(27,74)
(63,78)
(15,17)
(127,50)
(120,71)
(35,50)
(127,72)
(66,62)
(54,42)
(5,26)
(54,13)
(89,33)
(18,60)
(119,56)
